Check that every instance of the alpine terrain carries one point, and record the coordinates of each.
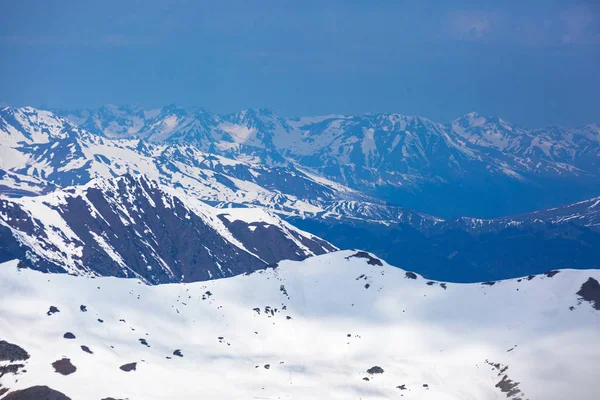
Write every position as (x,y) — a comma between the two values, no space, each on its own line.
(342,325)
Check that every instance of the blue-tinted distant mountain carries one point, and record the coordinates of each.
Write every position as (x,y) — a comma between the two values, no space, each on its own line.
(472,166)
(469,249)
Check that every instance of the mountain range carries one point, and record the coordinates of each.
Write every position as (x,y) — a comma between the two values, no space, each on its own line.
(160,253)
(475,165)
(57,166)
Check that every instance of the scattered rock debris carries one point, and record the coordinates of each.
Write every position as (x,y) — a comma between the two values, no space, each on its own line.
(284,291)
(370,259)
(508,386)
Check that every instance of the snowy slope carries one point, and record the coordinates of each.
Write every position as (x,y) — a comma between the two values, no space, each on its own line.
(305,330)
(131,226)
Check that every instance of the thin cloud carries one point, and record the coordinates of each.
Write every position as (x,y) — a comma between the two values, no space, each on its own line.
(111,40)
(471,25)
(581,25)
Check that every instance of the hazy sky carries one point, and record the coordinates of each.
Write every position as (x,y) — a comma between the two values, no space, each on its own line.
(534,62)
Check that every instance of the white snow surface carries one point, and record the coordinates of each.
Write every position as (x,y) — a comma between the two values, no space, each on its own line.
(340,327)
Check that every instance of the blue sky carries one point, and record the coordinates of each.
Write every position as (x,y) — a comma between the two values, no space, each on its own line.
(533,62)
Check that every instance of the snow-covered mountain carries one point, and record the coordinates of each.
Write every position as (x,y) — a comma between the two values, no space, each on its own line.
(132,227)
(446,170)
(344,325)
(76,156)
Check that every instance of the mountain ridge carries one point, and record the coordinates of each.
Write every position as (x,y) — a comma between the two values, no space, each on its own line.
(132,227)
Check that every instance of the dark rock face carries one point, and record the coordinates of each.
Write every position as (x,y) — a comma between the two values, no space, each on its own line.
(270,243)
(36,393)
(64,366)
(128,208)
(590,292)
(128,367)
(69,335)
(12,352)
(178,353)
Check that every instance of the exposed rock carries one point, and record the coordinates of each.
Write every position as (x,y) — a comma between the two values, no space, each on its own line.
(550,274)
(508,386)
(370,259)
(375,370)
(64,366)
(36,393)
(52,310)
(128,367)
(590,292)
(12,352)
(178,353)
(87,349)
(410,275)
(10,369)
(69,335)
(83,308)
